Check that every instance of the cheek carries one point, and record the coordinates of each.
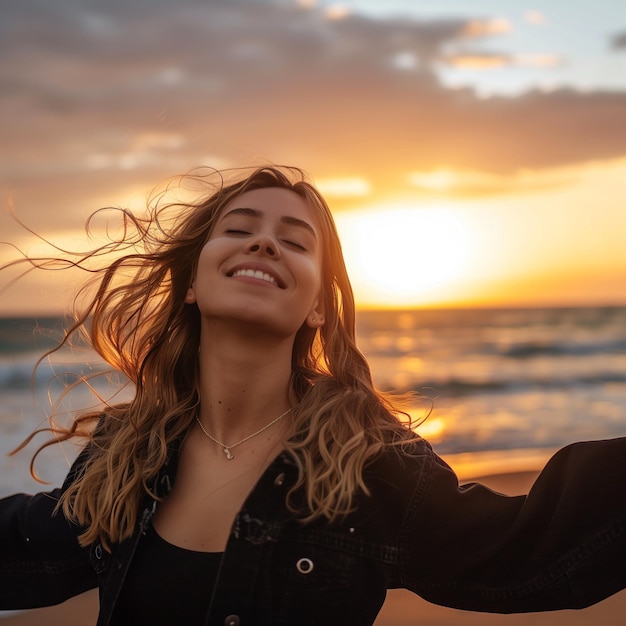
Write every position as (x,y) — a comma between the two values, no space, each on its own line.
(312,270)
(321,274)
(316,296)
(204,271)
(200,267)
(208,259)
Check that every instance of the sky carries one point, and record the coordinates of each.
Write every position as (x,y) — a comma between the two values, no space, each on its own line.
(473,153)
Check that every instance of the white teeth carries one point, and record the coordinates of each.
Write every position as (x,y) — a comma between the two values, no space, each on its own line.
(256,274)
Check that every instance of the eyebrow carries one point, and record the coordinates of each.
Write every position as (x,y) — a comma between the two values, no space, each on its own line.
(285,219)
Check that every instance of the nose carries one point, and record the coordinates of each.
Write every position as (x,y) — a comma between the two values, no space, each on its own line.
(264,244)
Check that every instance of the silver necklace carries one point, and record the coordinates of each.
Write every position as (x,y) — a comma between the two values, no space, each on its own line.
(227,448)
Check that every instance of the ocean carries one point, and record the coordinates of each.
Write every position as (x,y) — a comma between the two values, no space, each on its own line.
(501,388)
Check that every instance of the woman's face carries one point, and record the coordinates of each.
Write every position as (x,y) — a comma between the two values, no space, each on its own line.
(262,264)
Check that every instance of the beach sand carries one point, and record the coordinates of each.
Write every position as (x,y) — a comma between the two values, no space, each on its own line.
(401,607)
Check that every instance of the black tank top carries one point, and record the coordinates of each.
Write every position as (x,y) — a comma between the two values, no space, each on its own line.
(167,585)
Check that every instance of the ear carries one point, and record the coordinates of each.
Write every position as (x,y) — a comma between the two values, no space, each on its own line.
(190,296)
(315,318)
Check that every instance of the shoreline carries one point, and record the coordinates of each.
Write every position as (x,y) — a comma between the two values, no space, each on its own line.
(401,608)
(495,464)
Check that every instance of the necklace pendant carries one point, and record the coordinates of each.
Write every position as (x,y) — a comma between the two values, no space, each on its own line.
(229,454)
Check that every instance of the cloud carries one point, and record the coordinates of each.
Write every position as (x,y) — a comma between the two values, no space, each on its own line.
(494,60)
(618,41)
(105,97)
(467,183)
(344,187)
(534,17)
(479,61)
(487,27)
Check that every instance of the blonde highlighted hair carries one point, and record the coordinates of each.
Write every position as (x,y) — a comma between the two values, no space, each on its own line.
(135,316)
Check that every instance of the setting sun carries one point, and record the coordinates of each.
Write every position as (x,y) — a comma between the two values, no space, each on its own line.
(403,255)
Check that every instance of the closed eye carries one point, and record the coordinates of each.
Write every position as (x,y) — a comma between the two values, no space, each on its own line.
(236,231)
(295,244)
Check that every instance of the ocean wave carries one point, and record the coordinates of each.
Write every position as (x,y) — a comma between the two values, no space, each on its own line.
(456,387)
(395,346)
(21,335)
(535,349)
(20,374)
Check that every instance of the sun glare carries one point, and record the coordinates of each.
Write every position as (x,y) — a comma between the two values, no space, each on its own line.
(403,256)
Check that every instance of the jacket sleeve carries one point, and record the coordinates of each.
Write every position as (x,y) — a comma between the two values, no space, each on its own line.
(41,562)
(561,546)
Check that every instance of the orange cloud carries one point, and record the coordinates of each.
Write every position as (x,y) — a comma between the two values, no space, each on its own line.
(467,183)
(479,61)
(535,17)
(484,28)
(489,61)
(538,60)
(337,11)
(124,100)
(344,187)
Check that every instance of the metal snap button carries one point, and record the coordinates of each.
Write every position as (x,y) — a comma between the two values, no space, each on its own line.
(232,620)
(305,566)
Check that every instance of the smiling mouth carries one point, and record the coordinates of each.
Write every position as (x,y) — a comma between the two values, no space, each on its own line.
(258,274)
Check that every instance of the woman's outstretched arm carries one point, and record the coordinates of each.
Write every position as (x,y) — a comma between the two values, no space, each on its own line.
(561,546)
(41,562)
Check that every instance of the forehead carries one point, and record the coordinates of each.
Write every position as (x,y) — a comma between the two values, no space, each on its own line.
(275,202)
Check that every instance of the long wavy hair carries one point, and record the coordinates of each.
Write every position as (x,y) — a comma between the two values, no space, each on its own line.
(133,313)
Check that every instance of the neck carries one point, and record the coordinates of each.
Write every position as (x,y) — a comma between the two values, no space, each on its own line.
(244,382)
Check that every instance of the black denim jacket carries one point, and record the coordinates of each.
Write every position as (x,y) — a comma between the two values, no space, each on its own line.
(562,546)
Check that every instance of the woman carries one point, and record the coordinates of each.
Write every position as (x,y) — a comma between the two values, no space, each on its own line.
(256,477)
